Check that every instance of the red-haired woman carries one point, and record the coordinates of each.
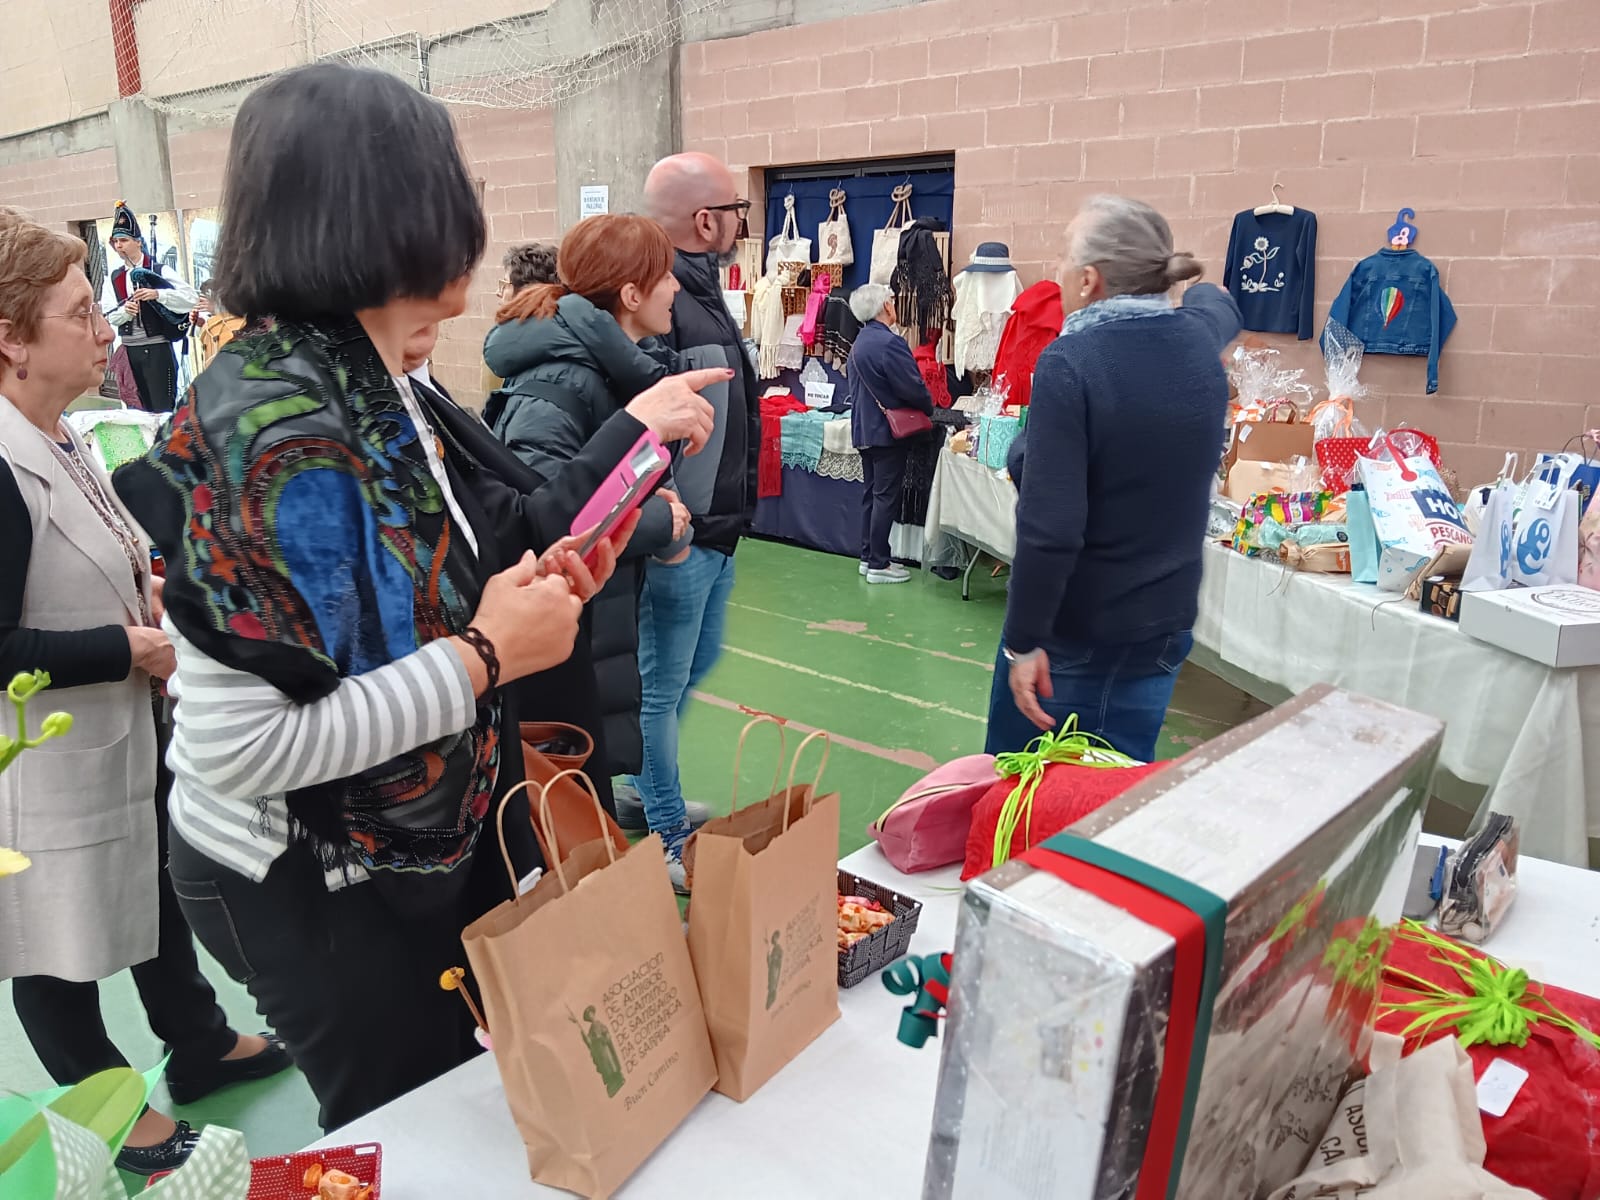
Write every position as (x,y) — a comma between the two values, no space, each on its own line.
(571,355)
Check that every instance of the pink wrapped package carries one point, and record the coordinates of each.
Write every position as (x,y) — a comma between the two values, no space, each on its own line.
(927,827)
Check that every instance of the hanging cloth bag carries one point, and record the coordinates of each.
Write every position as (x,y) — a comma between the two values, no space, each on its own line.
(1544,544)
(886,241)
(789,246)
(833,235)
(1489,568)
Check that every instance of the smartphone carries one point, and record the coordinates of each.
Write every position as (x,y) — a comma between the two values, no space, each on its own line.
(629,483)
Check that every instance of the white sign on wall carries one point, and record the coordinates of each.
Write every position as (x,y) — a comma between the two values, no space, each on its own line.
(593,200)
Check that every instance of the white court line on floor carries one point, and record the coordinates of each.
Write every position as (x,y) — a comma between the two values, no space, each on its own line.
(841,627)
(918,759)
(916,701)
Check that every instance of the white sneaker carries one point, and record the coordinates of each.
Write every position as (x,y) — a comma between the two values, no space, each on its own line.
(677,874)
(893,573)
(863,566)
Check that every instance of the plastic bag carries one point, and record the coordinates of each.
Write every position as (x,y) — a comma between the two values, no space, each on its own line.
(1341,358)
(1265,390)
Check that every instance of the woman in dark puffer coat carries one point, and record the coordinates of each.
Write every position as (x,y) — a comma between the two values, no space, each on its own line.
(570,355)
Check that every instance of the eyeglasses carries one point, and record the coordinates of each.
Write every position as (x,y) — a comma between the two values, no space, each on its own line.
(742,207)
(85,317)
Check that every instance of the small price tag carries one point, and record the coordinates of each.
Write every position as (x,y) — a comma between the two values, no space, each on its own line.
(819,395)
(1498,1087)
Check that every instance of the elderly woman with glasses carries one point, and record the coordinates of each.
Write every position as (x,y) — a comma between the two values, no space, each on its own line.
(78,600)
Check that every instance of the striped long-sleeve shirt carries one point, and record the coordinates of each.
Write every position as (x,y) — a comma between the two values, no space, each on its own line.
(239,744)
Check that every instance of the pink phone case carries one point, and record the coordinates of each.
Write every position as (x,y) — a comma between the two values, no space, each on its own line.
(626,488)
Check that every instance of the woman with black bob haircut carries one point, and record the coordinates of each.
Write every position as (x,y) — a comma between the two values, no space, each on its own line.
(344,596)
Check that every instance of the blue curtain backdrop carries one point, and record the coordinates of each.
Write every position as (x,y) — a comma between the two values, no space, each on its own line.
(867,205)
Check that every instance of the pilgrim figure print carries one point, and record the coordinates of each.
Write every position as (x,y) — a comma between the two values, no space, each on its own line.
(602,1050)
(774,969)
(1261,255)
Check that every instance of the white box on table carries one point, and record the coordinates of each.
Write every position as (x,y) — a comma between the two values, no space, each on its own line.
(1558,625)
(1304,822)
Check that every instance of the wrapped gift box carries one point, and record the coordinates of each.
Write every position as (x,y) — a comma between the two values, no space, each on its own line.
(1088,1045)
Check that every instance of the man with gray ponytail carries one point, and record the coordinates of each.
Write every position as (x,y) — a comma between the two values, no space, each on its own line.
(1125,428)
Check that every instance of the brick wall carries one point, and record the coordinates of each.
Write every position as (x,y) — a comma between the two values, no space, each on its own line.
(61,191)
(514,153)
(1485,117)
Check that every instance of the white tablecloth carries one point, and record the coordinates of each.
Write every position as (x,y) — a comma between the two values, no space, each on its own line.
(1528,732)
(850,1116)
(973,503)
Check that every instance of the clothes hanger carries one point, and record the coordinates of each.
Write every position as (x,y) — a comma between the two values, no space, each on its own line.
(1277,206)
(1403,234)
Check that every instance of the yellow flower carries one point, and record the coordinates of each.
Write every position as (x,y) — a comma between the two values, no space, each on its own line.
(12,862)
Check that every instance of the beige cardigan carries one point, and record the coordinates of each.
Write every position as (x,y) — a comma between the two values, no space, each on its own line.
(80,806)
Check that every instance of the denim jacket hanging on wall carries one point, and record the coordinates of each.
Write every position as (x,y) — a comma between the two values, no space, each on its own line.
(1394,303)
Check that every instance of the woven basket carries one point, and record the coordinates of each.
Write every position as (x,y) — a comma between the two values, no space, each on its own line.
(874,953)
(794,301)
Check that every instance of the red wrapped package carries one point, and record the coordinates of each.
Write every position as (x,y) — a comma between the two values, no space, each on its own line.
(1056,782)
(1548,1141)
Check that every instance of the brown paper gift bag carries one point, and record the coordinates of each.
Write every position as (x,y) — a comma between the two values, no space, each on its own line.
(762,927)
(593,1012)
(573,818)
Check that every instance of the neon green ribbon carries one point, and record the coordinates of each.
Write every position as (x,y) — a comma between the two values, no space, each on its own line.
(1070,745)
(1500,1007)
(23,688)
(1358,961)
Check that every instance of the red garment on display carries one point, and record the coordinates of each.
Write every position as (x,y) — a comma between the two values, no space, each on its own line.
(1035,322)
(933,373)
(1066,795)
(769,464)
(1549,1139)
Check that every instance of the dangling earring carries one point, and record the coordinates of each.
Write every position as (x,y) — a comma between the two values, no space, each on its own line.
(22,372)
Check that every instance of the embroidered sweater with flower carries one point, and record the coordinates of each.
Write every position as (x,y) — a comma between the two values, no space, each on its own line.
(1272,270)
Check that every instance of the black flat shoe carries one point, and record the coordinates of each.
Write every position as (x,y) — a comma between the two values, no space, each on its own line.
(166,1156)
(194,1086)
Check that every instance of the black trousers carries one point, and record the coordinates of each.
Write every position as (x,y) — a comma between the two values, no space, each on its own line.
(883,471)
(63,1021)
(348,978)
(155,371)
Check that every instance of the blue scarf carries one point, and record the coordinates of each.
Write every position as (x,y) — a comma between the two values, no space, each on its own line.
(1116,308)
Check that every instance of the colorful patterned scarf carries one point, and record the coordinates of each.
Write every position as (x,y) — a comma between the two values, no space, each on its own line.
(306,541)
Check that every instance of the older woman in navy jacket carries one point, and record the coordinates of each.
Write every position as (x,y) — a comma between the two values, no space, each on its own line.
(883,375)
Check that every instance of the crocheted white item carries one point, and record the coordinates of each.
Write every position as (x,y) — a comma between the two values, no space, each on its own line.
(983,305)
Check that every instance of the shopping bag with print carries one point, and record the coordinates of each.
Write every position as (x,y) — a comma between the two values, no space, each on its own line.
(886,241)
(833,235)
(1544,543)
(1420,530)
(593,1013)
(789,246)
(1489,567)
(763,925)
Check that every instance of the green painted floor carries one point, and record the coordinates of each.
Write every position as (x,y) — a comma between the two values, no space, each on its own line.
(898,675)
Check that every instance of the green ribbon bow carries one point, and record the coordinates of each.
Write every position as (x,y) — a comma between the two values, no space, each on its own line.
(1070,745)
(927,979)
(1501,1005)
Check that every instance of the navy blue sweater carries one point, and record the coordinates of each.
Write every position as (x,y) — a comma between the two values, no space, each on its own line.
(1124,434)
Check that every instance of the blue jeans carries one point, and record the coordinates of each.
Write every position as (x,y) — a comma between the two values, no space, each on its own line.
(1119,693)
(682,610)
